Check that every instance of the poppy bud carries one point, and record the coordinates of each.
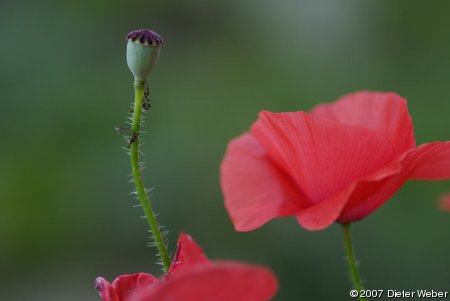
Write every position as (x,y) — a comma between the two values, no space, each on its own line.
(142,52)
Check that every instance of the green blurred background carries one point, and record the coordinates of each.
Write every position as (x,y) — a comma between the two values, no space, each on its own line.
(66,215)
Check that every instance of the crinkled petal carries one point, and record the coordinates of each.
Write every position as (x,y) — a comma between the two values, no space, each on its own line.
(386,113)
(125,285)
(369,196)
(255,189)
(373,191)
(428,162)
(431,161)
(223,281)
(323,157)
(323,214)
(188,253)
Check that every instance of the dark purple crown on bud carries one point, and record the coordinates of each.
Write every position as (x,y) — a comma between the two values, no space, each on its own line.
(146,37)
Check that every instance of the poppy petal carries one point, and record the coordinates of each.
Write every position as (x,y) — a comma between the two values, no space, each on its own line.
(427,162)
(224,281)
(255,190)
(385,113)
(323,214)
(430,161)
(188,253)
(125,285)
(323,157)
(372,192)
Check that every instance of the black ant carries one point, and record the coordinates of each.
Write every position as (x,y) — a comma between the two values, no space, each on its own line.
(146,103)
(128,133)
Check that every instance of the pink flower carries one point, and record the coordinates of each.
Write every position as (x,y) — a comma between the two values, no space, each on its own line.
(192,277)
(444,202)
(338,163)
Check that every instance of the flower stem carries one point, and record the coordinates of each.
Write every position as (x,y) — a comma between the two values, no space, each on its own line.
(351,259)
(137,179)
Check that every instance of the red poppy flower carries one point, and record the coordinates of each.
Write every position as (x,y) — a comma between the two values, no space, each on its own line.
(192,277)
(337,163)
(444,202)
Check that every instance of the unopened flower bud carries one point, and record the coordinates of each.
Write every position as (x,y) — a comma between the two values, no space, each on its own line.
(142,52)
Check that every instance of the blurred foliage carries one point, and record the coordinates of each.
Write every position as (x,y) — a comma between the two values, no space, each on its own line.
(66,215)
